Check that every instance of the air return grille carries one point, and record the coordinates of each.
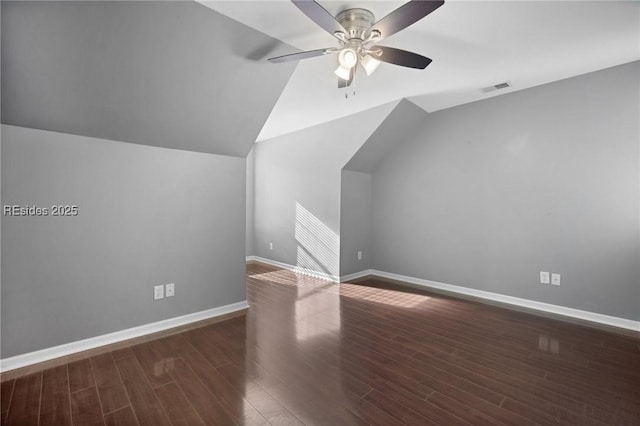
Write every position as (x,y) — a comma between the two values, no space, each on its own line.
(496,87)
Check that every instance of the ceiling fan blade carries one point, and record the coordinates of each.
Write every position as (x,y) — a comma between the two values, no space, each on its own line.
(346,83)
(407,14)
(400,57)
(320,16)
(302,55)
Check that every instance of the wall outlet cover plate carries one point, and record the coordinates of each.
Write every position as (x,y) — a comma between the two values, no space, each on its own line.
(544,277)
(170,290)
(158,292)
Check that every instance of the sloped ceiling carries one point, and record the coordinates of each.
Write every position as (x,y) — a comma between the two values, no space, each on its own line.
(473,44)
(178,74)
(170,74)
(395,128)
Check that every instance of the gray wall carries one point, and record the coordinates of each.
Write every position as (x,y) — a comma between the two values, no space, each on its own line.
(147,216)
(174,74)
(251,193)
(355,209)
(355,222)
(297,190)
(547,179)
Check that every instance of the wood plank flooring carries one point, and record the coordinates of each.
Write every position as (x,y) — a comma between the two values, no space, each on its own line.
(312,352)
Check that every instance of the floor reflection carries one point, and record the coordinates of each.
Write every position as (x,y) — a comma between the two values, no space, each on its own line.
(353,354)
(548,344)
(377,295)
(294,345)
(313,352)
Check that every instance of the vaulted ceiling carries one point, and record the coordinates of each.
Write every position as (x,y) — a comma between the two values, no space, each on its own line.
(169,74)
(182,75)
(473,44)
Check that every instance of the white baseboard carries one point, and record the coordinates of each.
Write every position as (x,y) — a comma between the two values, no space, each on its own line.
(516,301)
(47,354)
(480,294)
(356,275)
(297,269)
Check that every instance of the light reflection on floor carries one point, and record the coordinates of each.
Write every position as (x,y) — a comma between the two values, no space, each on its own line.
(333,340)
(289,278)
(378,295)
(548,344)
(354,291)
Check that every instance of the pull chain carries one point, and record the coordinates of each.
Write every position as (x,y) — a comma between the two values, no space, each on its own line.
(353,90)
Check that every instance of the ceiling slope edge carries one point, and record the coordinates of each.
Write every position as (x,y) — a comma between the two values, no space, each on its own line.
(397,127)
(359,125)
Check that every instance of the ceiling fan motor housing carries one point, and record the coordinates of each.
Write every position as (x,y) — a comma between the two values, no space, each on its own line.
(356,21)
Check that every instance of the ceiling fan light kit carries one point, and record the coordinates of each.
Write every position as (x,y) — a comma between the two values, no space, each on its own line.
(342,72)
(369,64)
(348,57)
(356,31)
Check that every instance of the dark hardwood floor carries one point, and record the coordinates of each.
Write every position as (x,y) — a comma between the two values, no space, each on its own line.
(312,352)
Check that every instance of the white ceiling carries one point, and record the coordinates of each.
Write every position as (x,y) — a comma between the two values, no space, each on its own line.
(473,44)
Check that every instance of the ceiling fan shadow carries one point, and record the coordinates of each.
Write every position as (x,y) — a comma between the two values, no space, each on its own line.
(257,50)
(261,53)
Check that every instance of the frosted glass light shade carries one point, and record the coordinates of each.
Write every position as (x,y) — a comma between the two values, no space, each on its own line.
(343,72)
(369,64)
(348,58)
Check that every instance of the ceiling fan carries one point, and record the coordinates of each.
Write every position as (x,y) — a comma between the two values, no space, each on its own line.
(357,32)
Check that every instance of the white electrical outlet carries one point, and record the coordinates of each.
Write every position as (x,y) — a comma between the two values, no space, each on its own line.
(359,255)
(555,279)
(170,290)
(270,246)
(158,292)
(544,277)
